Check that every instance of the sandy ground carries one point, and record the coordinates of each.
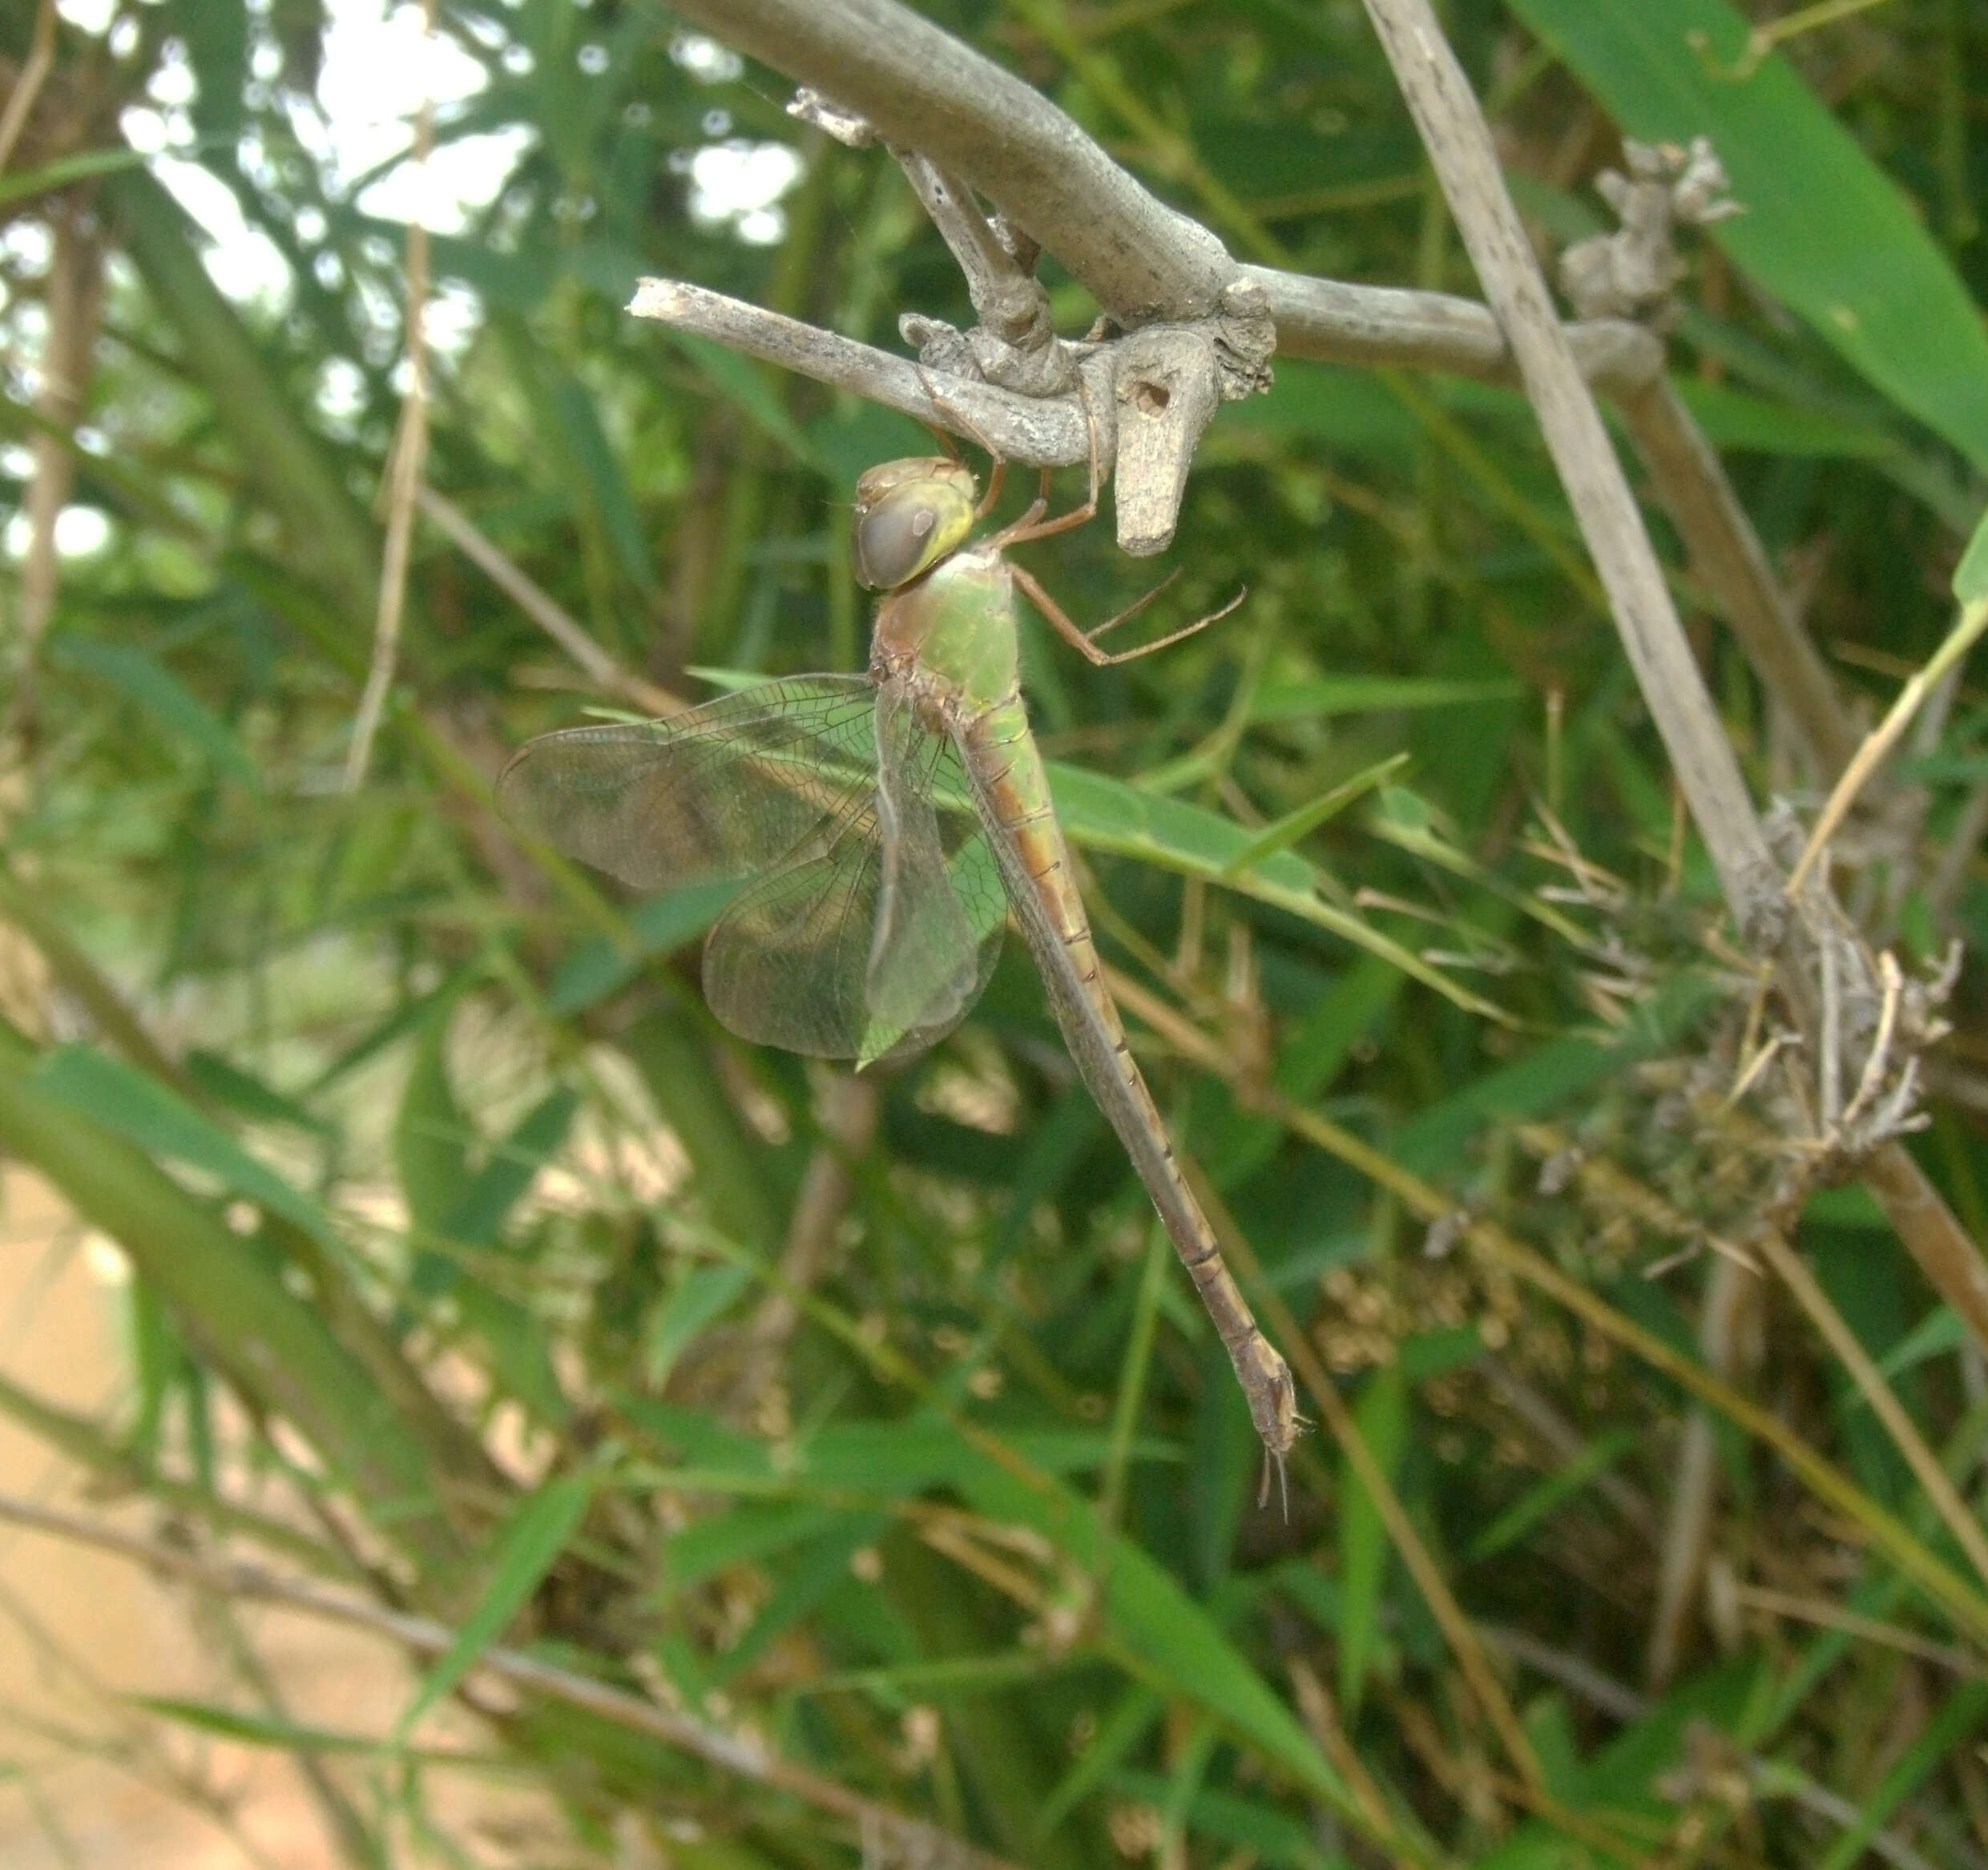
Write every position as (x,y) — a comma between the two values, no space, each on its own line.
(86,1778)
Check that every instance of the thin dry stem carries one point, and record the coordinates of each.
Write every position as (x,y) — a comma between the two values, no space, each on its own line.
(1878,743)
(1315,1704)
(1460,150)
(1794,1273)
(1690,481)
(748,1758)
(409,458)
(1730,1290)
(848,1115)
(1831,1616)
(27,86)
(1036,431)
(595,663)
(75,303)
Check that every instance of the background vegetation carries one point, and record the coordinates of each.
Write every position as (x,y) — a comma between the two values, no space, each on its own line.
(862,1431)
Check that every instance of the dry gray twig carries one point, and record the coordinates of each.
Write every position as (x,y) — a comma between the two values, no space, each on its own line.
(1459,145)
(1629,273)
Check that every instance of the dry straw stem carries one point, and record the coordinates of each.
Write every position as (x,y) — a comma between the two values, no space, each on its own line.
(1040,432)
(908,1840)
(1460,148)
(874,66)
(1687,1531)
(1726,557)
(1809,1294)
(595,663)
(73,300)
(1878,745)
(921,90)
(407,462)
(41,61)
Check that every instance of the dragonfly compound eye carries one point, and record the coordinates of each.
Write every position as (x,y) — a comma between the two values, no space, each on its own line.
(908,515)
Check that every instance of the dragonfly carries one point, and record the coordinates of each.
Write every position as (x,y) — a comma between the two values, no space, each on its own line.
(882,828)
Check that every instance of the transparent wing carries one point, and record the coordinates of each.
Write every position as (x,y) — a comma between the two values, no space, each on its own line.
(874,941)
(728,790)
(924,962)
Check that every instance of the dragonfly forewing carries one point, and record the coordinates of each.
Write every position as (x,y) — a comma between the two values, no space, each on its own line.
(872,914)
(728,790)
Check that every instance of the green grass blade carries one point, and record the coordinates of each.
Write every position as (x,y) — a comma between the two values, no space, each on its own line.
(163,1123)
(1518,1519)
(1382,1418)
(526,1550)
(1287,830)
(1104,814)
(148,683)
(1958,1720)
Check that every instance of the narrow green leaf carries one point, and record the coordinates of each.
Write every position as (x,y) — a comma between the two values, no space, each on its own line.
(242,1091)
(1324,697)
(478,1216)
(579,423)
(1118,1734)
(163,1123)
(1738,419)
(408,1018)
(743,383)
(1939,1334)
(524,1552)
(1382,1418)
(1339,1020)
(1256,1832)
(811,1573)
(704,1293)
(66,170)
(1958,1720)
(660,925)
(1518,1519)
(1153,1618)
(1970,576)
(255,1729)
(430,1133)
(154,687)
(1286,830)
(1106,814)
(727,681)
(516,1339)
(749,1531)
(217,48)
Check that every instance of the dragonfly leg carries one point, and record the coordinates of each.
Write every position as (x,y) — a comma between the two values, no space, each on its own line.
(1031,525)
(998,462)
(1084,641)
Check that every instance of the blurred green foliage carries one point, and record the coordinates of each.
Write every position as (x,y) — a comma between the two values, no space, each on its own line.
(868,1419)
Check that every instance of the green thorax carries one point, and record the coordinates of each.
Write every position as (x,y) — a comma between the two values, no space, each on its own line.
(946,621)
(952,633)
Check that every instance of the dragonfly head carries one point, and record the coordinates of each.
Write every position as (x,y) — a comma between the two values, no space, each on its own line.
(908,515)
